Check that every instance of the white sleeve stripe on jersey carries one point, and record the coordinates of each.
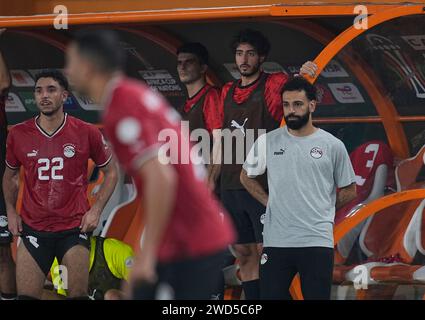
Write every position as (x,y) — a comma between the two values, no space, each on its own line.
(105,163)
(148,153)
(11,167)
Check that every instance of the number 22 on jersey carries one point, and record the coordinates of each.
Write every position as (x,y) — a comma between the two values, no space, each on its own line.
(48,169)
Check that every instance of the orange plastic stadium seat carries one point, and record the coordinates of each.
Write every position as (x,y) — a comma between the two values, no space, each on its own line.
(407,171)
(392,237)
(372,161)
(420,235)
(125,221)
(373,165)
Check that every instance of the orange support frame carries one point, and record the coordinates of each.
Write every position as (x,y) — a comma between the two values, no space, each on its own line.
(133,14)
(383,104)
(373,207)
(349,34)
(380,15)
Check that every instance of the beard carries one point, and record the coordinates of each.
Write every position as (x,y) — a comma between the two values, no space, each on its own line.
(298,122)
(249,72)
(51,112)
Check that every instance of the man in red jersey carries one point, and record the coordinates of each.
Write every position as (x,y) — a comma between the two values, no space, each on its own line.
(201,105)
(373,159)
(55,219)
(7,265)
(186,230)
(202,112)
(254,102)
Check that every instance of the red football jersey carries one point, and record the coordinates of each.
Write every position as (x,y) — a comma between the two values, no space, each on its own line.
(135,117)
(55,168)
(272,94)
(213,116)
(365,159)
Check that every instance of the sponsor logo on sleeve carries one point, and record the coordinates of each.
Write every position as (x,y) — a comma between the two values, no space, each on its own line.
(128,130)
(151,100)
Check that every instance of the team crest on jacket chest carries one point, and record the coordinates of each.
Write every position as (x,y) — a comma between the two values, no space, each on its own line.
(69,150)
(316,152)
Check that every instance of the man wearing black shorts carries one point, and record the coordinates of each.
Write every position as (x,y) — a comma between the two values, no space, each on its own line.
(306,166)
(55,220)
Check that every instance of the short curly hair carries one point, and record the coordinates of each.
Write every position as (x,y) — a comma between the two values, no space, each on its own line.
(253,37)
(55,75)
(300,84)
